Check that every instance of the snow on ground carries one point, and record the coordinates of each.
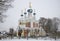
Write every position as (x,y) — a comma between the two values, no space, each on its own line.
(26,40)
(30,39)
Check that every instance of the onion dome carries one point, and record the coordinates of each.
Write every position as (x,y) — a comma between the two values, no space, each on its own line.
(21,15)
(29,10)
(25,13)
(34,13)
(0,14)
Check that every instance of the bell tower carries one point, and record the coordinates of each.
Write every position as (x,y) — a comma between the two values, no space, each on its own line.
(30,10)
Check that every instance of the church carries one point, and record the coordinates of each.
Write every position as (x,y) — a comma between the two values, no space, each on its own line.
(28,23)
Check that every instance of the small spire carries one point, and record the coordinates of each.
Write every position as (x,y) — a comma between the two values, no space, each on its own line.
(34,12)
(30,5)
(21,12)
(25,11)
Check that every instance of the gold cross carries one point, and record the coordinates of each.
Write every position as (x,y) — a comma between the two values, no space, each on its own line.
(30,5)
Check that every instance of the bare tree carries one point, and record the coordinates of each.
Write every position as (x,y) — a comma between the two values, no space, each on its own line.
(56,22)
(43,22)
(46,24)
(4,5)
(11,32)
(49,25)
(55,27)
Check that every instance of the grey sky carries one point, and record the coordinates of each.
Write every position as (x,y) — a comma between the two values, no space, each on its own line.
(43,8)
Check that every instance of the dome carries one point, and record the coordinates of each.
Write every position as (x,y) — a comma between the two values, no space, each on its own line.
(21,15)
(25,13)
(34,13)
(29,10)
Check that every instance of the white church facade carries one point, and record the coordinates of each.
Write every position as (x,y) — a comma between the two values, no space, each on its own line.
(29,22)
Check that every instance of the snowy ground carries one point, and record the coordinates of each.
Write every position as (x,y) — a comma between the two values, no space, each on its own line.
(30,39)
(26,40)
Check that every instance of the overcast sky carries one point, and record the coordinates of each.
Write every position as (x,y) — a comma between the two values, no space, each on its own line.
(43,8)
